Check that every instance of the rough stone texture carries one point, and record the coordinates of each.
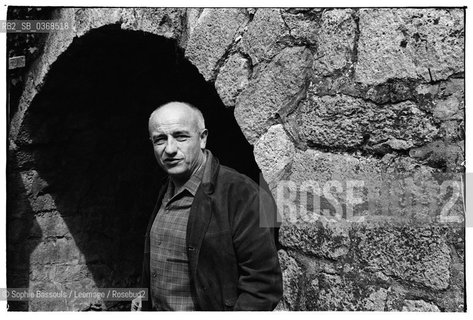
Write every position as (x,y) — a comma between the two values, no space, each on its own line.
(163,21)
(272,89)
(260,41)
(50,224)
(395,298)
(376,300)
(335,41)
(419,305)
(345,122)
(323,239)
(192,18)
(233,78)
(212,37)
(303,24)
(325,166)
(414,255)
(274,152)
(407,43)
(441,153)
(447,109)
(56,251)
(326,187)
(450,104)
(337,294)
(329,98)
(291,278)
(345,283)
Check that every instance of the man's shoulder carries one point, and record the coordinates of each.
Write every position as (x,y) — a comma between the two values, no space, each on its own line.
(234,175)
(230,176)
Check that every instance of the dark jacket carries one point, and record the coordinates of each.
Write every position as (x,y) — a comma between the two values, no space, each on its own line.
(233,261)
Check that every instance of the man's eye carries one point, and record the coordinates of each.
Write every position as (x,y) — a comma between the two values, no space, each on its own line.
(158,141)
(181,138)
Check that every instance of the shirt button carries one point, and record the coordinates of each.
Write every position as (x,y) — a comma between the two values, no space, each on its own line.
(159,243)
(155,274)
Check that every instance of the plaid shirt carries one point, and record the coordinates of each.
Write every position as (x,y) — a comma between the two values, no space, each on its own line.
(169,266)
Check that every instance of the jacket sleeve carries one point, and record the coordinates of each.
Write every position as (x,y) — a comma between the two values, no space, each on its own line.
(260,279)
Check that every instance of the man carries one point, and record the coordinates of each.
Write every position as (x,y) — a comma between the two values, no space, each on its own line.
(205,248)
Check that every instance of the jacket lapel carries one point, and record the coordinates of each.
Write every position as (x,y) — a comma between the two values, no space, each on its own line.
(201,212)
(199,219)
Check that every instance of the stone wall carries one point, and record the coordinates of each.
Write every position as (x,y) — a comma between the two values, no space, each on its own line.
(359,103)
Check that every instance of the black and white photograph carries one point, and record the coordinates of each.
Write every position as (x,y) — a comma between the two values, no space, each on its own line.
(229,158)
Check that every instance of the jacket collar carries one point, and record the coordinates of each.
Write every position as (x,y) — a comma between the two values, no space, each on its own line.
(191,185)
(212,166)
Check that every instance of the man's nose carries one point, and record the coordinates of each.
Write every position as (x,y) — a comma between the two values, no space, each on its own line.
(171,146)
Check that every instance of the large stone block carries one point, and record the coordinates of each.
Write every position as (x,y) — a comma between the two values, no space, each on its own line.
(316,185)
(215,32)
(449,109)
(272,89)
(167,22)
(274,152)
(33,183)
(232,78)
(335,187)
(260,41)
(424,44)
(335,41)
(344,122)
(350,291)
(50,224)
(323,239)
(417,255)
(43,203)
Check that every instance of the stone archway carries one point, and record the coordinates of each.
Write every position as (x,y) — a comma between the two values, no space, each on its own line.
(85,165)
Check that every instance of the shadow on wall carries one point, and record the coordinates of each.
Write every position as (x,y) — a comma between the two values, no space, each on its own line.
(87,167)
(23,234)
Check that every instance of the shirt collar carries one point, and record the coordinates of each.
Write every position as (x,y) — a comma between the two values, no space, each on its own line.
(193,183)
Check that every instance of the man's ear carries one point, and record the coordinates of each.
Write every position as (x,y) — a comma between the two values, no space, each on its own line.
(203,138)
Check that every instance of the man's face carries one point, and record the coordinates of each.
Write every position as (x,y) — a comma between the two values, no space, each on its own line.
(177,139)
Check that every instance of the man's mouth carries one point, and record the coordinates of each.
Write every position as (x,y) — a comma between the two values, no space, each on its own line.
(171,161)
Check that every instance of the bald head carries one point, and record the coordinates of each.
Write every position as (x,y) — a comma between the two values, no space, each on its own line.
(177,131)
(180,108)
